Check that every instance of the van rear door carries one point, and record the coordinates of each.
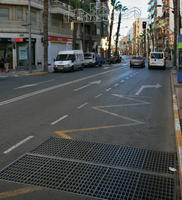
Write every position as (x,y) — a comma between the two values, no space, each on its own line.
(157,59)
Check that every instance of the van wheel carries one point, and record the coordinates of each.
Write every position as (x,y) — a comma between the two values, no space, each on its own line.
(72,68)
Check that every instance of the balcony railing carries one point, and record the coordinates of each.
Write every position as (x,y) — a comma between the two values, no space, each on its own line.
(58,7)
(34,3)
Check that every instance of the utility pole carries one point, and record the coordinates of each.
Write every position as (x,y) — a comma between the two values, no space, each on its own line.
(29,38)
(45,34)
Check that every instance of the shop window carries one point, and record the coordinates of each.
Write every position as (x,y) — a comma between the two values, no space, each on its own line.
(19,14)
(4,13)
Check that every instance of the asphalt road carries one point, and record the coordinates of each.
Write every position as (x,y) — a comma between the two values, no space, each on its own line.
(112,104)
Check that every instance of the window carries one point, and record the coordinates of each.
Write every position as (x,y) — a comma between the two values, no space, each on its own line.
(157,55)
(33,17)
(19,14)
(4,13)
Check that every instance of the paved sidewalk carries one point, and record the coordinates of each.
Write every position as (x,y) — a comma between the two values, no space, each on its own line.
(177,113)
(15,73)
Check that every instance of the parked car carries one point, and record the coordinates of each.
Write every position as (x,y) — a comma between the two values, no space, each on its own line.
(91,59)
(114,59)
(70,60)
(137,61)
(157,60)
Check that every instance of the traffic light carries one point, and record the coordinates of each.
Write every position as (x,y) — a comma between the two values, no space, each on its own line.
(144,25)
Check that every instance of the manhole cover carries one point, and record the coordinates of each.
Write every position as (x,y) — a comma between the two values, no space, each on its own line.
(107,154)
(89,179)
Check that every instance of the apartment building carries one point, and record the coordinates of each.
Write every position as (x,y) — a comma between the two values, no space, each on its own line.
(14,31)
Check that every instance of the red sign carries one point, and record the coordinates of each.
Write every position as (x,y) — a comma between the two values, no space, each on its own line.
(59,39)
(18,39)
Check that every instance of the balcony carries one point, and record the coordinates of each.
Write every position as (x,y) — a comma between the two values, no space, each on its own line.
(34,3)
(58,7)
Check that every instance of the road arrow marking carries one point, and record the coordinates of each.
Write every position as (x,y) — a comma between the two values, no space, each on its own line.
(26,86)
(89,84)
(34,84)
(147,86)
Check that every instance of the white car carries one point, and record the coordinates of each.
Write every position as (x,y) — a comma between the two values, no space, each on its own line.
(157,60)
(69,60)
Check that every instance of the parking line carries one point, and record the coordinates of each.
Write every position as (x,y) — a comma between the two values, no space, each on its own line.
(81,106)
(108,89)
(18,144)
(60,119)
(98,95)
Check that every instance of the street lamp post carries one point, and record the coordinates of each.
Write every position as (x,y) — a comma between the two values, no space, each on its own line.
(30,37)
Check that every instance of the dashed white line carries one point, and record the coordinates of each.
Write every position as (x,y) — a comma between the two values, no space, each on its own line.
(60,119)
(99,95)
(18,144)
(108,89)
(116,85)
(83,105)
(122,81)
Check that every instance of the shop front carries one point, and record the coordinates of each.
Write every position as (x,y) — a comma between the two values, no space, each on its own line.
(6,51)
(57,44)
(22,52)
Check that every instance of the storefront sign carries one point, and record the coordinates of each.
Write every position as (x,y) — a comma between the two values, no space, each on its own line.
(59,39)
(18,39)
(23,53)
(180,41)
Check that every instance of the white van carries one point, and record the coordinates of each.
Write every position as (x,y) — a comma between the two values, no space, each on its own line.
(157,59)
(89,59)
(69,60)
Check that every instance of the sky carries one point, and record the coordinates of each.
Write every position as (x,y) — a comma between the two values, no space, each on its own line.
(127,23)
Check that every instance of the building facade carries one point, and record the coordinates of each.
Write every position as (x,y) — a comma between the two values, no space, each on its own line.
(14,31)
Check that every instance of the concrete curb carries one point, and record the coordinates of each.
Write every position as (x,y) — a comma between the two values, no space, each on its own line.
(177,128)
(36,74)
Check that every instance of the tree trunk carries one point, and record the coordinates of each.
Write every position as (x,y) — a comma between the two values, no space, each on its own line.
(110,33)
(175,31)
(75,29)
(45,34)
(117,33)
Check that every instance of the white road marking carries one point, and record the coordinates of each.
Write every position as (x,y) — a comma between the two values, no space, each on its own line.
(147,86)
(60,119)
(122,81)
(98,95)
(18,98)
(18,144)
(34,84)
(3,76)
(106,67)
(108,89)
(116,85)
(81,106)
(127,78)
(87,85)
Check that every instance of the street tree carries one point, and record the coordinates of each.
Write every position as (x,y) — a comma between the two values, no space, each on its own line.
(121,9)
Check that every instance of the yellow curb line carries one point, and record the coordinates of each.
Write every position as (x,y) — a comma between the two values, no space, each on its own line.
(36,74)
(178,132)
(17,192)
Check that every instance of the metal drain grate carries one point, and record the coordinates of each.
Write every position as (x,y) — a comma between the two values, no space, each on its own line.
(88,179)
(107,154)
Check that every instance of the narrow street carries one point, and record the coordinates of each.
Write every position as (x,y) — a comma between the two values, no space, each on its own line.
(111,129)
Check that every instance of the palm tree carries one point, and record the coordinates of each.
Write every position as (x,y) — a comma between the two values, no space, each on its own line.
(45,32)
(75,4)
(121,9)
(111,27)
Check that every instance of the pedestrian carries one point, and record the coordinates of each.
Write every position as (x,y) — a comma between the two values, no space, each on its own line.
(1,63)
(6,63)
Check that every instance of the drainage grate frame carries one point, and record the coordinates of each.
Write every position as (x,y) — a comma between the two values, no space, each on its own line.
(89,179)
(108,154)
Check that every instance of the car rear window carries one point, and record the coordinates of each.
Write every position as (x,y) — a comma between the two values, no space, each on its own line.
(137,58)
(157,55)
